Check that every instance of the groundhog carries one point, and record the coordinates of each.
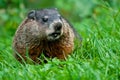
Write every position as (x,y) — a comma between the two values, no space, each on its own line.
(44,31)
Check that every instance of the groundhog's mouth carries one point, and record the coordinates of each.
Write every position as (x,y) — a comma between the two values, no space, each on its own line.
(54,36)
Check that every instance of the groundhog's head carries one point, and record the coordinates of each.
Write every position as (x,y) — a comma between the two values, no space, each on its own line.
(50,22)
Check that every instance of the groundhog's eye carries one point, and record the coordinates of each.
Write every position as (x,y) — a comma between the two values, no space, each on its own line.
(45,19)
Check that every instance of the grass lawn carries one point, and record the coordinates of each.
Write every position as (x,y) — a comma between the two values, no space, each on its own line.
(97,59)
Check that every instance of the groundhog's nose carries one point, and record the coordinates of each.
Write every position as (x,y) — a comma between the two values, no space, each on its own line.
(58,26)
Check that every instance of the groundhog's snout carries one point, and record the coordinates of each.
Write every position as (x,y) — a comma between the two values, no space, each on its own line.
(58,26)
(56,31)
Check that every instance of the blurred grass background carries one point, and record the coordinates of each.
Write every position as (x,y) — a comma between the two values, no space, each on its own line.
(98,22)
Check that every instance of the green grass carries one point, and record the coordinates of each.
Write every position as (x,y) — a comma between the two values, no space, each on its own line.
(98,58)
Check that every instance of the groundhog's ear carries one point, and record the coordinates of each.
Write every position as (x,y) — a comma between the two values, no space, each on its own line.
(31,14)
